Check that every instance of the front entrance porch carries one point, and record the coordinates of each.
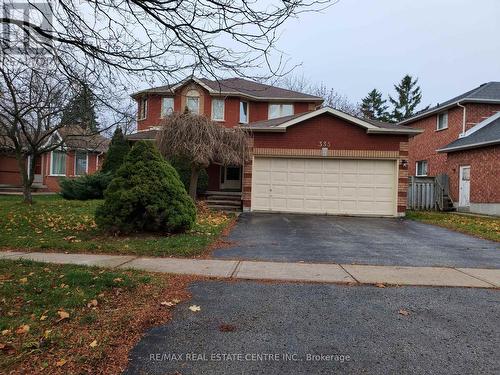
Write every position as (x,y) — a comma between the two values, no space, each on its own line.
(224,188)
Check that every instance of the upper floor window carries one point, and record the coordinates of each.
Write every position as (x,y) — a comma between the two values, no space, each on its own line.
(218,109)
(442,121)
(143,109)
(193,101)
(81,163)
(167,106)
(421,168)
(243,112)
(280,110)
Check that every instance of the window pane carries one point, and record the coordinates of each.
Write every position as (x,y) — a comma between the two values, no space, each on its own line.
(244,112)
(443,120)
(143,108)
(218,109)
(287,110)
(167,106)
(193,104)
(274,111)
(58,162)
(233,173)
(80,163)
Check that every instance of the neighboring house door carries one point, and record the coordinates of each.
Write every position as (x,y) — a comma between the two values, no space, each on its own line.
(464,198)
(230,178)
(37,179)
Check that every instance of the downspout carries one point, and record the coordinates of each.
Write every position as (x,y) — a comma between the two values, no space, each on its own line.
(463,119)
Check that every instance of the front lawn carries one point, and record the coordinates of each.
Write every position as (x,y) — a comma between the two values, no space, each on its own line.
(480,226)
(73,319)
(55,224)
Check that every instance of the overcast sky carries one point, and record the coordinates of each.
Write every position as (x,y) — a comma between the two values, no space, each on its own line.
(356,45)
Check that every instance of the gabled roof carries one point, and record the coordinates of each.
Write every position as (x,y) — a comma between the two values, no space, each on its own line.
(236,87)
(485,93)
(282,123)
(144,135)
(486,133)
(77,138)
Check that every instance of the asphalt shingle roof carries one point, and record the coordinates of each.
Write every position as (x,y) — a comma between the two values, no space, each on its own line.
(487,135)
(486,92)
(240,86)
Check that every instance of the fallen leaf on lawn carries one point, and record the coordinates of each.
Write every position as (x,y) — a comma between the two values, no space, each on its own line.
(92,303)
(5,332)
(61,362)
(23,329)
(47,333)
(380,285)
(43,317)
(118,280)
(165,303)
(62,315)
(24,280)
(93,344)
(194,308)
(176,301)
(404,312)
(31,274)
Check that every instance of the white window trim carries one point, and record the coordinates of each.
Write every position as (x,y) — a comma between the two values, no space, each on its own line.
(281,110)
(145,114)
(416,168)
(437,121)
(52,163)
(86,164)
(248,112)
(223,109)
(162,109)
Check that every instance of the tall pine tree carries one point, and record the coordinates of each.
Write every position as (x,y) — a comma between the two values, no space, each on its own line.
(373,106)
(81,110)
(409,96)
(118,149)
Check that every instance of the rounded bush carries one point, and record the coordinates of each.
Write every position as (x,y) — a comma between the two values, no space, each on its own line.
(146,195)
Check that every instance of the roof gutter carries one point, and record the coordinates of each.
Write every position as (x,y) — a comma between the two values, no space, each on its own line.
(469,146)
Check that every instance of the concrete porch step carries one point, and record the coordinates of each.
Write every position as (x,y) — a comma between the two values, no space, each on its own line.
(223,202)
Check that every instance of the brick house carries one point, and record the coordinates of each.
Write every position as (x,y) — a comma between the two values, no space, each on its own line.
(460,139)
(305,158)
(80,154)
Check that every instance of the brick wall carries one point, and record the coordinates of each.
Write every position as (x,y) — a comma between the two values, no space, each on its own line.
(424,146)
(258,111)
(484,173)
(344,139)
(9,171)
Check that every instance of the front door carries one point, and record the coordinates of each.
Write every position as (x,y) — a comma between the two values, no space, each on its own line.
(230,178)
(37,179)
(464,199)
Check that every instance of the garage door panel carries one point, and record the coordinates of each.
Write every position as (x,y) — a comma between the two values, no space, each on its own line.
(333,186)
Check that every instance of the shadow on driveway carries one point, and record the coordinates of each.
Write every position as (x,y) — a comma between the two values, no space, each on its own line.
(355,240)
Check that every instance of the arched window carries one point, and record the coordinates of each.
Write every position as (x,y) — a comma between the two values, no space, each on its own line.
(193,101)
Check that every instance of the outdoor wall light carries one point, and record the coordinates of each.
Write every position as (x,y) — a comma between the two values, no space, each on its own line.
(404,163)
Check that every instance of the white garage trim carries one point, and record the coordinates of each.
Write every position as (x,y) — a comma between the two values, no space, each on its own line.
(334,186)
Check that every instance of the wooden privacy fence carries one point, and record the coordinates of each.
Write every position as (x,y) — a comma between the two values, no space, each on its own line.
(427,193)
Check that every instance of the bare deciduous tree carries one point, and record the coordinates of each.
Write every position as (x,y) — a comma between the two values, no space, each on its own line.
(173,38)
(331,97)
(201,142)
(33,96)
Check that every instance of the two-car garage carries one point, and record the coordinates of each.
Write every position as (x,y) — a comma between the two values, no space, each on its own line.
(325,186)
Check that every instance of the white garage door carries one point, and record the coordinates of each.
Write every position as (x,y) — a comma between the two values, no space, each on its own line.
(332,186)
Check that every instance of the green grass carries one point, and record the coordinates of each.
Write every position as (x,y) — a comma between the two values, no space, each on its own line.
(53,223)
(33,293)
(480,226)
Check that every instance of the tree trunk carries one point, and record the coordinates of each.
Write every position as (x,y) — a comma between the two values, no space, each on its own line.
(26,177)
(193,182)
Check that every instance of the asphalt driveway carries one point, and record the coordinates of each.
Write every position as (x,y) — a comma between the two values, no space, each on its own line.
(257,328)
(355,240)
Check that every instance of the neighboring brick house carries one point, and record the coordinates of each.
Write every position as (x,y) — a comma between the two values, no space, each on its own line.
(305,158)
(460,140)
(80,154)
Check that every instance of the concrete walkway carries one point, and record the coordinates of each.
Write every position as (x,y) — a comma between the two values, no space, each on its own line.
(281,271)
